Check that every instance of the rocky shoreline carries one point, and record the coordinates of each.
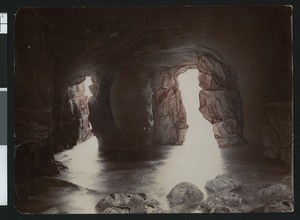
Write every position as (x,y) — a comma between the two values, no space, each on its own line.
(225,194)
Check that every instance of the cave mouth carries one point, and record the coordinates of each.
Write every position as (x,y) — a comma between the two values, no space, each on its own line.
(87,84)
(200,131)
(199,138)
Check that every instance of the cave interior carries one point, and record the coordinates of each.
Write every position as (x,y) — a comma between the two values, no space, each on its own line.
(132,59)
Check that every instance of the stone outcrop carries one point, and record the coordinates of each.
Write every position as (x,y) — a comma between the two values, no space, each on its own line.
(133,203)
(220,100)
(275,193)
(222,183)
(277,132)
(169,114)
(101,117)
(221,202)
(185,193)
(78,105)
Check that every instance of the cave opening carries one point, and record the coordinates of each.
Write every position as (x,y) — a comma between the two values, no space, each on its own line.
(199,139)
(87,84)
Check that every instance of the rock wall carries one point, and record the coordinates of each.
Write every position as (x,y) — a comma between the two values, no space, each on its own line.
(277,132)
(131,103)
(74,120)
(169,114)
(33,88)
(101,118)
(220,100)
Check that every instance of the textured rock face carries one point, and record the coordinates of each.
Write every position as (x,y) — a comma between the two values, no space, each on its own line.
(185,193)
(222,183)
(220,201)
(128,203)
(277,132)
(101,116)
(168,111)
(275,193)
(220,101)
(78,104)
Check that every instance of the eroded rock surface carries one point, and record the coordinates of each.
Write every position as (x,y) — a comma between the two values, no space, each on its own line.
(275,193)
(220,100)
(185,193)
(277,132)
(169,114)
(220,201)
(128,203)
(222,182)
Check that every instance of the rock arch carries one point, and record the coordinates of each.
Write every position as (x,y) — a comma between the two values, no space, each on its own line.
(220,102)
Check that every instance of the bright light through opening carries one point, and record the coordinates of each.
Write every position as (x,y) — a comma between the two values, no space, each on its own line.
(200,130)
(87,83)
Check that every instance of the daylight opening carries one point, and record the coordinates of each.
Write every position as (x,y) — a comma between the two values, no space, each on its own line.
(87,83)
(199,139)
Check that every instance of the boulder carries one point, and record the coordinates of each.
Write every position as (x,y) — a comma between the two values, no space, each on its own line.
(222,182)
(220,201)
(128,203)
(275,193)
(185,193)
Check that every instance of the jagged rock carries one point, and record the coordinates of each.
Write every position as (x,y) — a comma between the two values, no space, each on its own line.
(227,199)
(128,203)
(283,206)
(185,193)
(275,193)
(168,111)
(222,182)
(54,210)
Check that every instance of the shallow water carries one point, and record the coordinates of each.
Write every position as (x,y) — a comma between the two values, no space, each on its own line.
(151,170)
(155,170)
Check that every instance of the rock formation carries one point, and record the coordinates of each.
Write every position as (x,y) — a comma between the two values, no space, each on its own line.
(275,193)
(133,203)
(185,193)
(277,132)
(222,183)
(221,201)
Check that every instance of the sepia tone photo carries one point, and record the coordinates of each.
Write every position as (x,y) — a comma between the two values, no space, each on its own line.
(153,110)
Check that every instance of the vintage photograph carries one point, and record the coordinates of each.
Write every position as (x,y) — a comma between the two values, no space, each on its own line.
(153,110)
